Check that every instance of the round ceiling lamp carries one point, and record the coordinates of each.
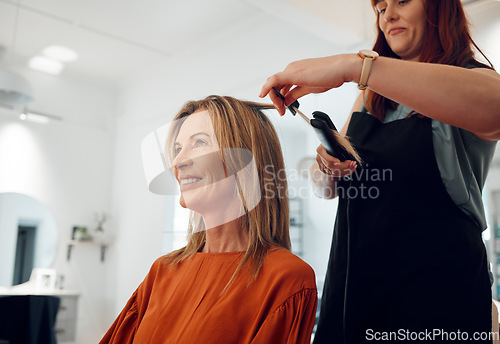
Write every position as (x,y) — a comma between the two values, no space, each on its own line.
(60,53)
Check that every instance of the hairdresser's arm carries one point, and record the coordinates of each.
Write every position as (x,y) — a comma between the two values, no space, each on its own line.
(465,98)
(325,186)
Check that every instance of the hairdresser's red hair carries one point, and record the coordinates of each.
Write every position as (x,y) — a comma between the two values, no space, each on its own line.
(447,41)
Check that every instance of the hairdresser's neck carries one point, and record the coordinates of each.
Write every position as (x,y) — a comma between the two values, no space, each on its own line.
(229,237)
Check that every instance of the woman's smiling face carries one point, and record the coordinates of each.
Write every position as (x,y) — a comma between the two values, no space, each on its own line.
(198,165)
(403,24)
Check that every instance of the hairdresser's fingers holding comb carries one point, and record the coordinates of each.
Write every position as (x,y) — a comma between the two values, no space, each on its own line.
(278,103)
(278,82)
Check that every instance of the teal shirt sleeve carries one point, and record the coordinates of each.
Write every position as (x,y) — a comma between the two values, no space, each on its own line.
(463,161)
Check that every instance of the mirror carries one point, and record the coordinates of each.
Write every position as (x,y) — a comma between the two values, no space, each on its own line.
(28,237)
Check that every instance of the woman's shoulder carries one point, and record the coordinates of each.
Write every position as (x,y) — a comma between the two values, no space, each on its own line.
(284,255)
(281,264)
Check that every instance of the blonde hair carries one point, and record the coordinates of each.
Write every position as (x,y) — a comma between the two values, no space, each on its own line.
(242,124)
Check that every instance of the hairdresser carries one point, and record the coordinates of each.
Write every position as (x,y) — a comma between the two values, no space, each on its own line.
(409,260)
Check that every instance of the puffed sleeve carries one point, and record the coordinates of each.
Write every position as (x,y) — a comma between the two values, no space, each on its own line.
(123,329)
(292,322)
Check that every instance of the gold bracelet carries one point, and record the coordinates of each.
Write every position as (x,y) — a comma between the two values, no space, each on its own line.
(368,57)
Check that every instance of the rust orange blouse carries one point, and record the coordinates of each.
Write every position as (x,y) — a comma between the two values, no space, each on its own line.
(184,304)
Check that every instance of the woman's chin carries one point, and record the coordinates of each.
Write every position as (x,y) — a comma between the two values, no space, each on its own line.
(182,202)
(194,204)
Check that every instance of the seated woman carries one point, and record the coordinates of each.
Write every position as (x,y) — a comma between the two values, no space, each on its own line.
(236,280)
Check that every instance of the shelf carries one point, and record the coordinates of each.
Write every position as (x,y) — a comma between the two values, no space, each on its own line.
(73,243)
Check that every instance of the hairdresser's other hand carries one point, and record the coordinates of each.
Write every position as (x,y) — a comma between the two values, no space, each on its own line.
(332,166)
(310,76)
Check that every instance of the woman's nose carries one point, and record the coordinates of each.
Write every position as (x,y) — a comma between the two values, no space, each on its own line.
(390,13)
(182,159)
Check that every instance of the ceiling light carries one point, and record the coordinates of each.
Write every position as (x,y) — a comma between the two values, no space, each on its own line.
(14,89)
(46,65)
(33,117)
(59,53)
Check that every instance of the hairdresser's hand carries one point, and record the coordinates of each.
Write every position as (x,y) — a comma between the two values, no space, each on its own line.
(311,76)
(332,166)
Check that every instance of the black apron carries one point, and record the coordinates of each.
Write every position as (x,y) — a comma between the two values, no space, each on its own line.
(405,261)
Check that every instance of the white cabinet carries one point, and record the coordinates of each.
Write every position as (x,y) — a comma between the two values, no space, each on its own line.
(66,318)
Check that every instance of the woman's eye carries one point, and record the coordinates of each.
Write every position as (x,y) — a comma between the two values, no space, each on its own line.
(200,143)
(177,150)
(404,2)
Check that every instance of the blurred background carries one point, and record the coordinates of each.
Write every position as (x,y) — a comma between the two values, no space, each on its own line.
(74,154)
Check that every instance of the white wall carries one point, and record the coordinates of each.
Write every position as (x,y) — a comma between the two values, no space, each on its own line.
(67,166)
